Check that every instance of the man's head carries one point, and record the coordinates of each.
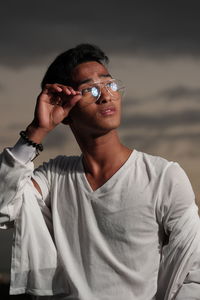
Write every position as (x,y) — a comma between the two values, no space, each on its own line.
(84,68)
(60,71)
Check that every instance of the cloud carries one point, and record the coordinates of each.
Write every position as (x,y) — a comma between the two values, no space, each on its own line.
(174,93)
(163,142)
(180,92)
(33,31)
(167,127)
(16,126)
(56,138)
(2,87)
(162,120)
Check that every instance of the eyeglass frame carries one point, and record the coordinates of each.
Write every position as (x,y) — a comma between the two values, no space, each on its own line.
(99,88)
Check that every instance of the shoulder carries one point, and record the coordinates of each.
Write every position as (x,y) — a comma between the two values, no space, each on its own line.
(154,165)
(171,188)
(60,164)
(167,172)
(63,161)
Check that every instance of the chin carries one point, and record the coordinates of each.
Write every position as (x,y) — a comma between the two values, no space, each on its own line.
(108,126)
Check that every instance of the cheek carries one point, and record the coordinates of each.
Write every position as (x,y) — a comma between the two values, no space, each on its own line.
(83,113)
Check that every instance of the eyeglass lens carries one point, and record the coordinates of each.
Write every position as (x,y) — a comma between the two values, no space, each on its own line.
(111,87)
(93,93)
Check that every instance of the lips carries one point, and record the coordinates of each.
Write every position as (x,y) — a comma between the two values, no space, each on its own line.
(108,111)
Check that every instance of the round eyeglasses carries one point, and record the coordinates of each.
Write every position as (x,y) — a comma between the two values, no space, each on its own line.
(92,92)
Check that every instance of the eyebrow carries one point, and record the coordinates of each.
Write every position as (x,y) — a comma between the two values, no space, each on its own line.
(90,79)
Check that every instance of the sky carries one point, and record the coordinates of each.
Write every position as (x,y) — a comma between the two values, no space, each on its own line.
(154,48)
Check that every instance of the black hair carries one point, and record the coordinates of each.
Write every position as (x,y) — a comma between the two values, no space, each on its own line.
(61,68)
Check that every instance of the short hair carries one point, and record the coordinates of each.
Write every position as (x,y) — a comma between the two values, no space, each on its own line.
(61,68)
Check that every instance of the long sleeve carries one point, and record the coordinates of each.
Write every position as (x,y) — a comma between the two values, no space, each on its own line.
(14,176)
(190,290)
(179,276)
(16,172)
(34,264)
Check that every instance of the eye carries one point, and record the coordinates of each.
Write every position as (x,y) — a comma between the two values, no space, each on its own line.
(94,91)
(112,85)
(86,90)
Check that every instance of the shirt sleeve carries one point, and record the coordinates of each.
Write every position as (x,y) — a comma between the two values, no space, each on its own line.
(23,152)
(180,264)
(15,175)
(190,290)
(177,196)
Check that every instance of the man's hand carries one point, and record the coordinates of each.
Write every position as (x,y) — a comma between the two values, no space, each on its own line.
(53,106)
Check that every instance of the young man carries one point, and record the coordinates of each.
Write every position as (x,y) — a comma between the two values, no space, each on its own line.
(112,224)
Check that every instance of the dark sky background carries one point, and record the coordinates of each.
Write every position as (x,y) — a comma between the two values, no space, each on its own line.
(154,46)
(31,30)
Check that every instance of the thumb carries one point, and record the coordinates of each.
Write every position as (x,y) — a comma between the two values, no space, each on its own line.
(69,106)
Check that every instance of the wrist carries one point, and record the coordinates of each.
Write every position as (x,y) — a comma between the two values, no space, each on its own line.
(38,147)
(36,133)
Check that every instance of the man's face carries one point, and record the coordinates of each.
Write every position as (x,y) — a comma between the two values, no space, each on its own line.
(95,116)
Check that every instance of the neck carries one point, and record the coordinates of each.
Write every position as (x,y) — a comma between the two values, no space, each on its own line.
(103,153)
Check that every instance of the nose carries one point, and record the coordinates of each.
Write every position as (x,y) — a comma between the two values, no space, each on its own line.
(105,96)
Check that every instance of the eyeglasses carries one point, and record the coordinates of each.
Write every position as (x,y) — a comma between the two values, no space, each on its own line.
(92,92)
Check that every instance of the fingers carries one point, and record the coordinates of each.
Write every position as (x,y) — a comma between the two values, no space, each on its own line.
(59,88)
(61,95)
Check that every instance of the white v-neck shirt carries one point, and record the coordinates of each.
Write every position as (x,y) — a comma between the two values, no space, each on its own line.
(109,240)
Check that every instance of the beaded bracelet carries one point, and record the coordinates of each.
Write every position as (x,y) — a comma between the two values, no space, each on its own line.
(39,147)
